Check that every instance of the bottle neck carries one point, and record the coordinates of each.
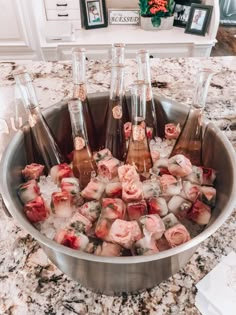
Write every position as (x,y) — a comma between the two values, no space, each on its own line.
(138,102)
(117,83)
(118,53)
(144,72)
(79,130)
(201,90)
(79,73)
(27,91)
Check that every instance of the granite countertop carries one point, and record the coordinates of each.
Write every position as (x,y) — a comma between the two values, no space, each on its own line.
(29,283)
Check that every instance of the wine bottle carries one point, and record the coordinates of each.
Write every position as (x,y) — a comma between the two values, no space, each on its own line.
(43,141)
(80,91)
(155,115)
(138,150)
(189,142)
(84,166)
(117,115)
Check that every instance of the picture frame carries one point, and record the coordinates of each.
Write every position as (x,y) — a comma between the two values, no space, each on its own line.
(182,10)
(94,13)
(124,16)
(199,19)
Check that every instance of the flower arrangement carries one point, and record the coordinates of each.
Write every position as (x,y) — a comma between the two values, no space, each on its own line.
(156,9)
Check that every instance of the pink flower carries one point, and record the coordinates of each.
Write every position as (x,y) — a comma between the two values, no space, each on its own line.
(91,210)
(114,190)
(136,209)
(132,191)
(36,210)
(108,167)
(28,191)
(33,171)
(61,204)
(128,173)
(152,226)
(113,208)
(125,233)
(93,190)
(72,239)
(177,235)
(179,165)
(172,131)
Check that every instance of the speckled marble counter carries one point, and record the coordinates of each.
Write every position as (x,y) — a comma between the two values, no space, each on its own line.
(29,283)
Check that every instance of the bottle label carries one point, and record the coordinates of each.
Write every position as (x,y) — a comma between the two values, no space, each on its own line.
(117,112)
(79,143)
(138,132)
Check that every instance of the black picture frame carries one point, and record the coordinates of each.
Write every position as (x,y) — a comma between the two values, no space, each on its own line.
(199,19)
(182,10)
(94,13)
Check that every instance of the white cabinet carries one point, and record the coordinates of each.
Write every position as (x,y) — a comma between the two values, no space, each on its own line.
(16,31)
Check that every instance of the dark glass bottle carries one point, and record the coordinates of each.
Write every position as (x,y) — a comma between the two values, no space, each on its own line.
(155,115)
(189,142)
(80,91)
(45,148)
(116,115)
(84,166)
(138,150)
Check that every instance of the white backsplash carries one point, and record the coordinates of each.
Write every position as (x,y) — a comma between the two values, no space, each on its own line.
(122,4)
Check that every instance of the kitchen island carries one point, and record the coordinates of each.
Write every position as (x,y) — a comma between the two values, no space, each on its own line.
(29,283)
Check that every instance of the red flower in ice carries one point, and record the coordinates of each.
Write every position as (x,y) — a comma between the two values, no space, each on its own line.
(36,210)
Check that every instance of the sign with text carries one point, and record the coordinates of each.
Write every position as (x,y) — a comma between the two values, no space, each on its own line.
(124,17)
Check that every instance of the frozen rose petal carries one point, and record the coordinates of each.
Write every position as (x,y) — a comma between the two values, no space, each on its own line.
(128,173)
(177,235)
(200,213)
(33,171)
(170,185)
(91,210)
(108,250)
(36,210)
(208,195)
(57,172)
(170,220)
(136,209)
(145,246)
(100,155)
(61,204)
(152,226)
(191,191)
(114,190)
(172,131)
(125,233)
(108,167)
(28,191)
(196,177)
(179,206)
(179,165)
(157,206)
(80,223)
(102,229)
(132,191)
(209,176)
(93,190)
(71,239)
(113,208)
(151,189)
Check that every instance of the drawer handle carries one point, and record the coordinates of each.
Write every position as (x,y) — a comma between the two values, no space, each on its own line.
(62,14)
(62,5)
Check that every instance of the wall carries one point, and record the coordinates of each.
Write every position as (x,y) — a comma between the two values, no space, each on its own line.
(122,3)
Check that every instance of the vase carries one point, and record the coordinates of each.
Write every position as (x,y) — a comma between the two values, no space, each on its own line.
(166,23)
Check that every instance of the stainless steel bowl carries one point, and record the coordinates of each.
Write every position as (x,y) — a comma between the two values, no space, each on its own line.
(113,275)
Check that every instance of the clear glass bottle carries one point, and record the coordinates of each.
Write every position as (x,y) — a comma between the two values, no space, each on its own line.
(45,148)
(155,115)
(84,166)
(118,54)
(189,142)
(80,91)
(138,150)
(116,115)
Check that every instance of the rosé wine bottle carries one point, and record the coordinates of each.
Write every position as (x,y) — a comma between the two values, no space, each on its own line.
(39,139)
(189,142)
(84,166)
(155,115)
(116,115)
(138,150)
(80,91)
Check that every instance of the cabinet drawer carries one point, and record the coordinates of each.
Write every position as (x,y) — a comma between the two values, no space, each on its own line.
(61,4)
(63,15)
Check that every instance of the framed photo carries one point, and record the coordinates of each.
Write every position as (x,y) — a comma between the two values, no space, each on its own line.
(182,10)
(199,19)
(94,12)
(124,16)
